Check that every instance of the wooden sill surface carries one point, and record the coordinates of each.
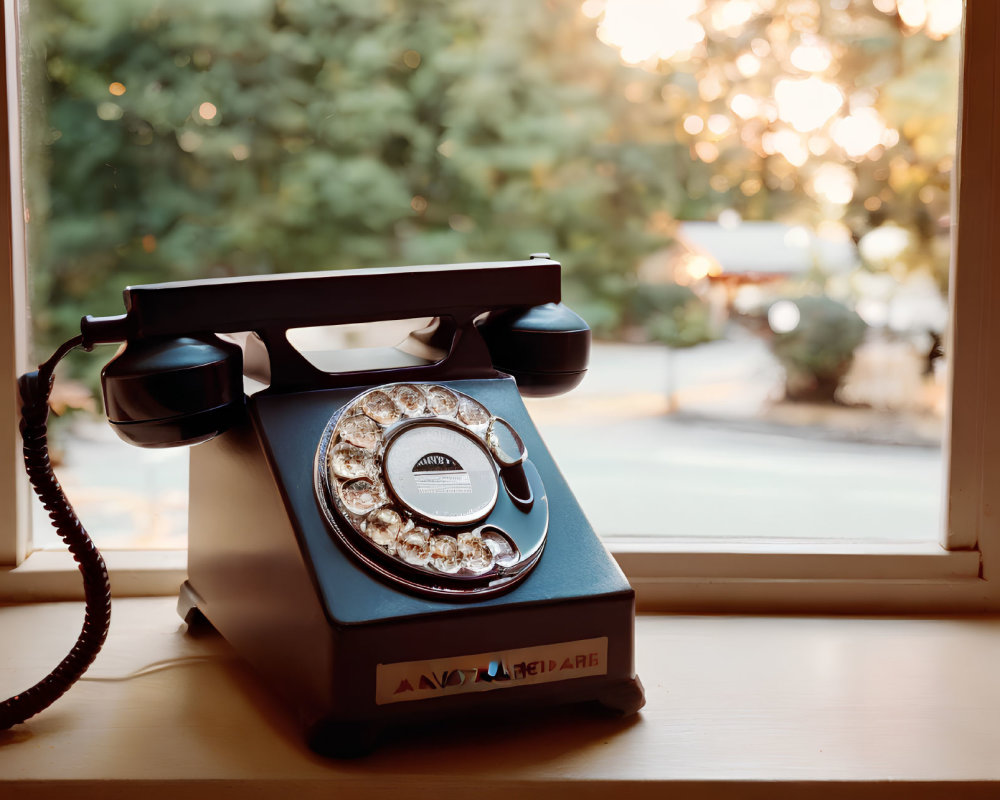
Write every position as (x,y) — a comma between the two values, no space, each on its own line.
(736,707)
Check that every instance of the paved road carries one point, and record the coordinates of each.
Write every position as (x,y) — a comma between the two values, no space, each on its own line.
(641,469)
(656,476)
(638,470)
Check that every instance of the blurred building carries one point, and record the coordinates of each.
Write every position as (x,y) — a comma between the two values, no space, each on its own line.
(747,252)
(721,260)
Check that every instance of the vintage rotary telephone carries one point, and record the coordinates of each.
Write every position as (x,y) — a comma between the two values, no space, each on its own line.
(387,543)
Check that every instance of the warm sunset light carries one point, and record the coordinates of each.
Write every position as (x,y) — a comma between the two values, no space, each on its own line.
(944,17)
(730,16)
(835,183)
(811,57)
(938,18)
(645,29)
(698,267)
(807,104)
(808,93)
(693,124)
(859,133)
(743,106)
(787,143)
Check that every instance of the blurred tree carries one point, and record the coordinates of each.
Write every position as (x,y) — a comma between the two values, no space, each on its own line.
(203,138)
(840,111)
(673,316)
(206,138)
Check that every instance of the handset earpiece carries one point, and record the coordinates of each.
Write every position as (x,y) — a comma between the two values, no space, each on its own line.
(545,348)
(172,391)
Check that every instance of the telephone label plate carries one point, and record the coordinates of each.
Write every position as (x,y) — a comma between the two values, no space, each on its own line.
(404,681)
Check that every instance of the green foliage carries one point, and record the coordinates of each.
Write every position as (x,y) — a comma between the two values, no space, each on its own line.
(347,133)
(344,134)
(671,314)
(817,353)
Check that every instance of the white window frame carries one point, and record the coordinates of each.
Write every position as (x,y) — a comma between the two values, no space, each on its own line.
(13,317)
(959,573)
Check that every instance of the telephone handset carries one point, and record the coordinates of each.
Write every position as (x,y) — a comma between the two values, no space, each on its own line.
(389,543)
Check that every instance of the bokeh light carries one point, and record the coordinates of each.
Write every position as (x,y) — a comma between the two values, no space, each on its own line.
(783,316)
(645,29)
(814,56)
(807,104)
(835,183)
(859,132)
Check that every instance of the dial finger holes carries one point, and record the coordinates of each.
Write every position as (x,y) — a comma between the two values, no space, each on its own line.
(410,470)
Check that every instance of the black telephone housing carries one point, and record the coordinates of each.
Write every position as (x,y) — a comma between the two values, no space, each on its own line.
(354,640)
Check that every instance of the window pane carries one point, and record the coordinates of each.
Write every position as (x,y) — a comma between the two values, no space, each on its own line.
(750,199)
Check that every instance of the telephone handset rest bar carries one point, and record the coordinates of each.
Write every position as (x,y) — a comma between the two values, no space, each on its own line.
(229,305)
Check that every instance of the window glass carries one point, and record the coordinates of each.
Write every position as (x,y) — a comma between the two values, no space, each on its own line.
(750,199)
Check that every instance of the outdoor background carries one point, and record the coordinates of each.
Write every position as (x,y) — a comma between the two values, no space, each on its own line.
(750,200)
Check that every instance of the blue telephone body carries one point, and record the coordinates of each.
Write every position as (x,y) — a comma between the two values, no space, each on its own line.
(392,544)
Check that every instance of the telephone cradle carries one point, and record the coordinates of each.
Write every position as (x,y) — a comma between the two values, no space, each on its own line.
(387,542)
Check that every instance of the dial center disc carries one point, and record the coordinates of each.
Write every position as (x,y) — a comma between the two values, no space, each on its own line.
(441,474)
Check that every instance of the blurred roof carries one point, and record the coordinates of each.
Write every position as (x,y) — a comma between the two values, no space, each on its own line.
(767,248)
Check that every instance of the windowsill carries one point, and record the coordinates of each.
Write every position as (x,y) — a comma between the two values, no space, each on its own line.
(54,575)
(852,705)
(696,576)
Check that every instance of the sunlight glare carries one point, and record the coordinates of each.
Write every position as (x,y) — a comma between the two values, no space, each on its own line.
(646,29)
(859,133)
(807,104)
(835,183)
(912,12)
(884,244)
(719,124)
(812,57)
(730,17)
(944,17)
(694,124)
(787,143)
(743,106)
(783,316)
(699,266)
(748,64)
(819,144)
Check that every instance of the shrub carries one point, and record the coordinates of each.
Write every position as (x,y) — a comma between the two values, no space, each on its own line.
(818,351)
(671,314)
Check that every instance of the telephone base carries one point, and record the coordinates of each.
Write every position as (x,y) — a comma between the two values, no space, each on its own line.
(188,610)
(352,655)
(359,738)
(624,698)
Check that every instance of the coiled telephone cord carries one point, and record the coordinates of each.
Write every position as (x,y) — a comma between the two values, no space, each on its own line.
(35,388)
